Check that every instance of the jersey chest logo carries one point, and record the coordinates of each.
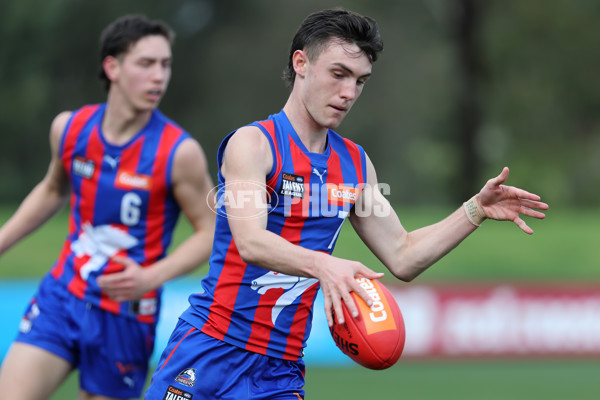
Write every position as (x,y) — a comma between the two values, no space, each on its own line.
(342,193)
(129,180)
(83,167)
(292,185)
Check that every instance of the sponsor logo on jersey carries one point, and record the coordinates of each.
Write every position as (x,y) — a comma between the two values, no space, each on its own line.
(83,167)
(130,180)
(173,393)
(341,193)
(187,377)
(292,185)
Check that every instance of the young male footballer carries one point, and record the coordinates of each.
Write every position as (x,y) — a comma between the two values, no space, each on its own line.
(286,185)
(128,171)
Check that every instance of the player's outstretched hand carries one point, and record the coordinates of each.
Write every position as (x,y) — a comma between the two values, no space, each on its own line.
(506,203)
(336,277)
(129,284)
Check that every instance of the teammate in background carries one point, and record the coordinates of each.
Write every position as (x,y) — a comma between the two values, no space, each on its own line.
(286,186)
(128,171)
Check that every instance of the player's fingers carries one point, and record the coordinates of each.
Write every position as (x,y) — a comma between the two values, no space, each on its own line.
(339,312)
(500,179)
(110,292)
(112,278)
(521,194)
(350,304)
(524,227)
(336,299)
(362,293)
(125,261)
(532,213)
(367,273)
(121,293)
(117,296)
(534,204)
(328,307)
(106,280)
(116,281)
(371,274)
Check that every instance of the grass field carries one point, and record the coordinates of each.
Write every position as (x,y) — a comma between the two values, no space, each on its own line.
(564,248)
(446,380)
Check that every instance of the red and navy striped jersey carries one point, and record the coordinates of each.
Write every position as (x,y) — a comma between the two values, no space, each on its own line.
(121,205)
(310,196)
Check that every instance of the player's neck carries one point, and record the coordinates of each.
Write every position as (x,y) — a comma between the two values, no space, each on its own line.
(313,135)
(121,122)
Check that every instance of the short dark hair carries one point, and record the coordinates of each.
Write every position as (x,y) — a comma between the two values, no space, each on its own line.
(118,37)
(319,27)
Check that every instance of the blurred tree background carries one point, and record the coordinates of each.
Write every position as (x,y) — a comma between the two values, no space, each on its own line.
(462,88)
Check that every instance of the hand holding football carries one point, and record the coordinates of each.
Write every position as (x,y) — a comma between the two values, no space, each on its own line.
(374,339)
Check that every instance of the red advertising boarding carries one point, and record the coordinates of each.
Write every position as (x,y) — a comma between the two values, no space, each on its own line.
(500,320)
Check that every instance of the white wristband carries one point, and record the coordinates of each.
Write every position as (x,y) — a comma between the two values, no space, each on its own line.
(474,211)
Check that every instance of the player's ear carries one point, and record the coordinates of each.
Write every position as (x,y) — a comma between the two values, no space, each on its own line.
(300,62)
(110,65)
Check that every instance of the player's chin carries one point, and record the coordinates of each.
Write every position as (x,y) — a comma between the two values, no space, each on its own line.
(333,123)
(147,106)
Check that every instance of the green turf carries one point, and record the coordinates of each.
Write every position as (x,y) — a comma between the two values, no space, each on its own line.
(513,379)
(460,380)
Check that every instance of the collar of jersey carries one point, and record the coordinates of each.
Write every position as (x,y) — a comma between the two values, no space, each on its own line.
(317,159)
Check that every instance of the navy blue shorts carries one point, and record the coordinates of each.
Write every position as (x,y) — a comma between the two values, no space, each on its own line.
(197,366)
(110,351)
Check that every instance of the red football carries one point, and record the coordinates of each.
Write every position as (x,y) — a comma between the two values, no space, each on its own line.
(374,339)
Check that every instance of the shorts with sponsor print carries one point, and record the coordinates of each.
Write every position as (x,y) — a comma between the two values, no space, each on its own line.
(197,366)
(110,351)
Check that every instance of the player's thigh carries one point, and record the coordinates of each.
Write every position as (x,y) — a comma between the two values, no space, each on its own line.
(31,373)
(114,355)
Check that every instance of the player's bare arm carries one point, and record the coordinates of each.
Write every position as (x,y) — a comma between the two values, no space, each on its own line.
(45,199)
(408,254)
(247,162)
(191,186)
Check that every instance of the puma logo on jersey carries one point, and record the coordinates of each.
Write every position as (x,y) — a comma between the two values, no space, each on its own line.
(294,286)
(83,167)
(112,161)
(320,175)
